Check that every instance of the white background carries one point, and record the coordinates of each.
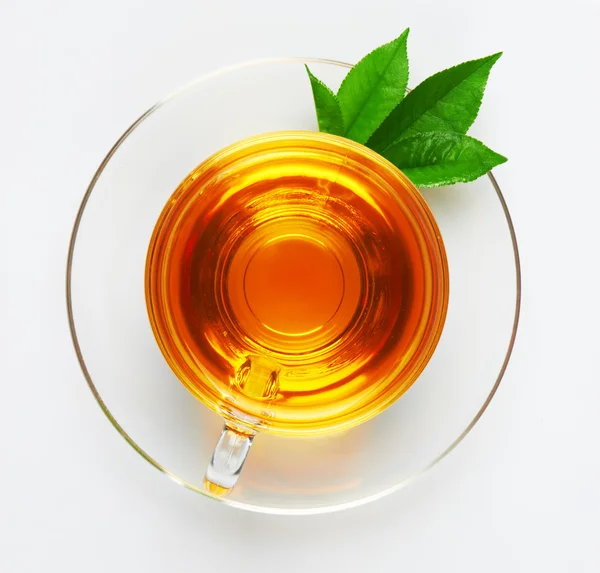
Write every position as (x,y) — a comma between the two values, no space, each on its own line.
(521,493)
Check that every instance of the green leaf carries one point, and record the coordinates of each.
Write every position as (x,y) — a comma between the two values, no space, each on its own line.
(373,88)
(447,101)
(329,114)
(442,158)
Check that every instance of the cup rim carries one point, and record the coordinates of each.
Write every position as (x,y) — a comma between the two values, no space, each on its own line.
(390,387)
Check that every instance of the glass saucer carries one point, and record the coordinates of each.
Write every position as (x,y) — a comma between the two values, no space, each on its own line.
(170,428)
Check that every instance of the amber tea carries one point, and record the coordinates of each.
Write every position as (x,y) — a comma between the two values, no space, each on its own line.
(297,282)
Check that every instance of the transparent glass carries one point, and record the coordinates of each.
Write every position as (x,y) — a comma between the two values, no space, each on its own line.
(173,430)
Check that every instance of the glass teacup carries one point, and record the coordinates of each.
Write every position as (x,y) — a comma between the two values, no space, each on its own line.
(297,284)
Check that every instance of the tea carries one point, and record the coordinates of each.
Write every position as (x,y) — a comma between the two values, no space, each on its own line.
(296,282)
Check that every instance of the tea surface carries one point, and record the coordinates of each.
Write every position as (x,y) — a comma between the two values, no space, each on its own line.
(297,281)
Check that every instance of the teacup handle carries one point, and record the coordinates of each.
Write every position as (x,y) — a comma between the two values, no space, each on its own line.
(257,377)
(228,460)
